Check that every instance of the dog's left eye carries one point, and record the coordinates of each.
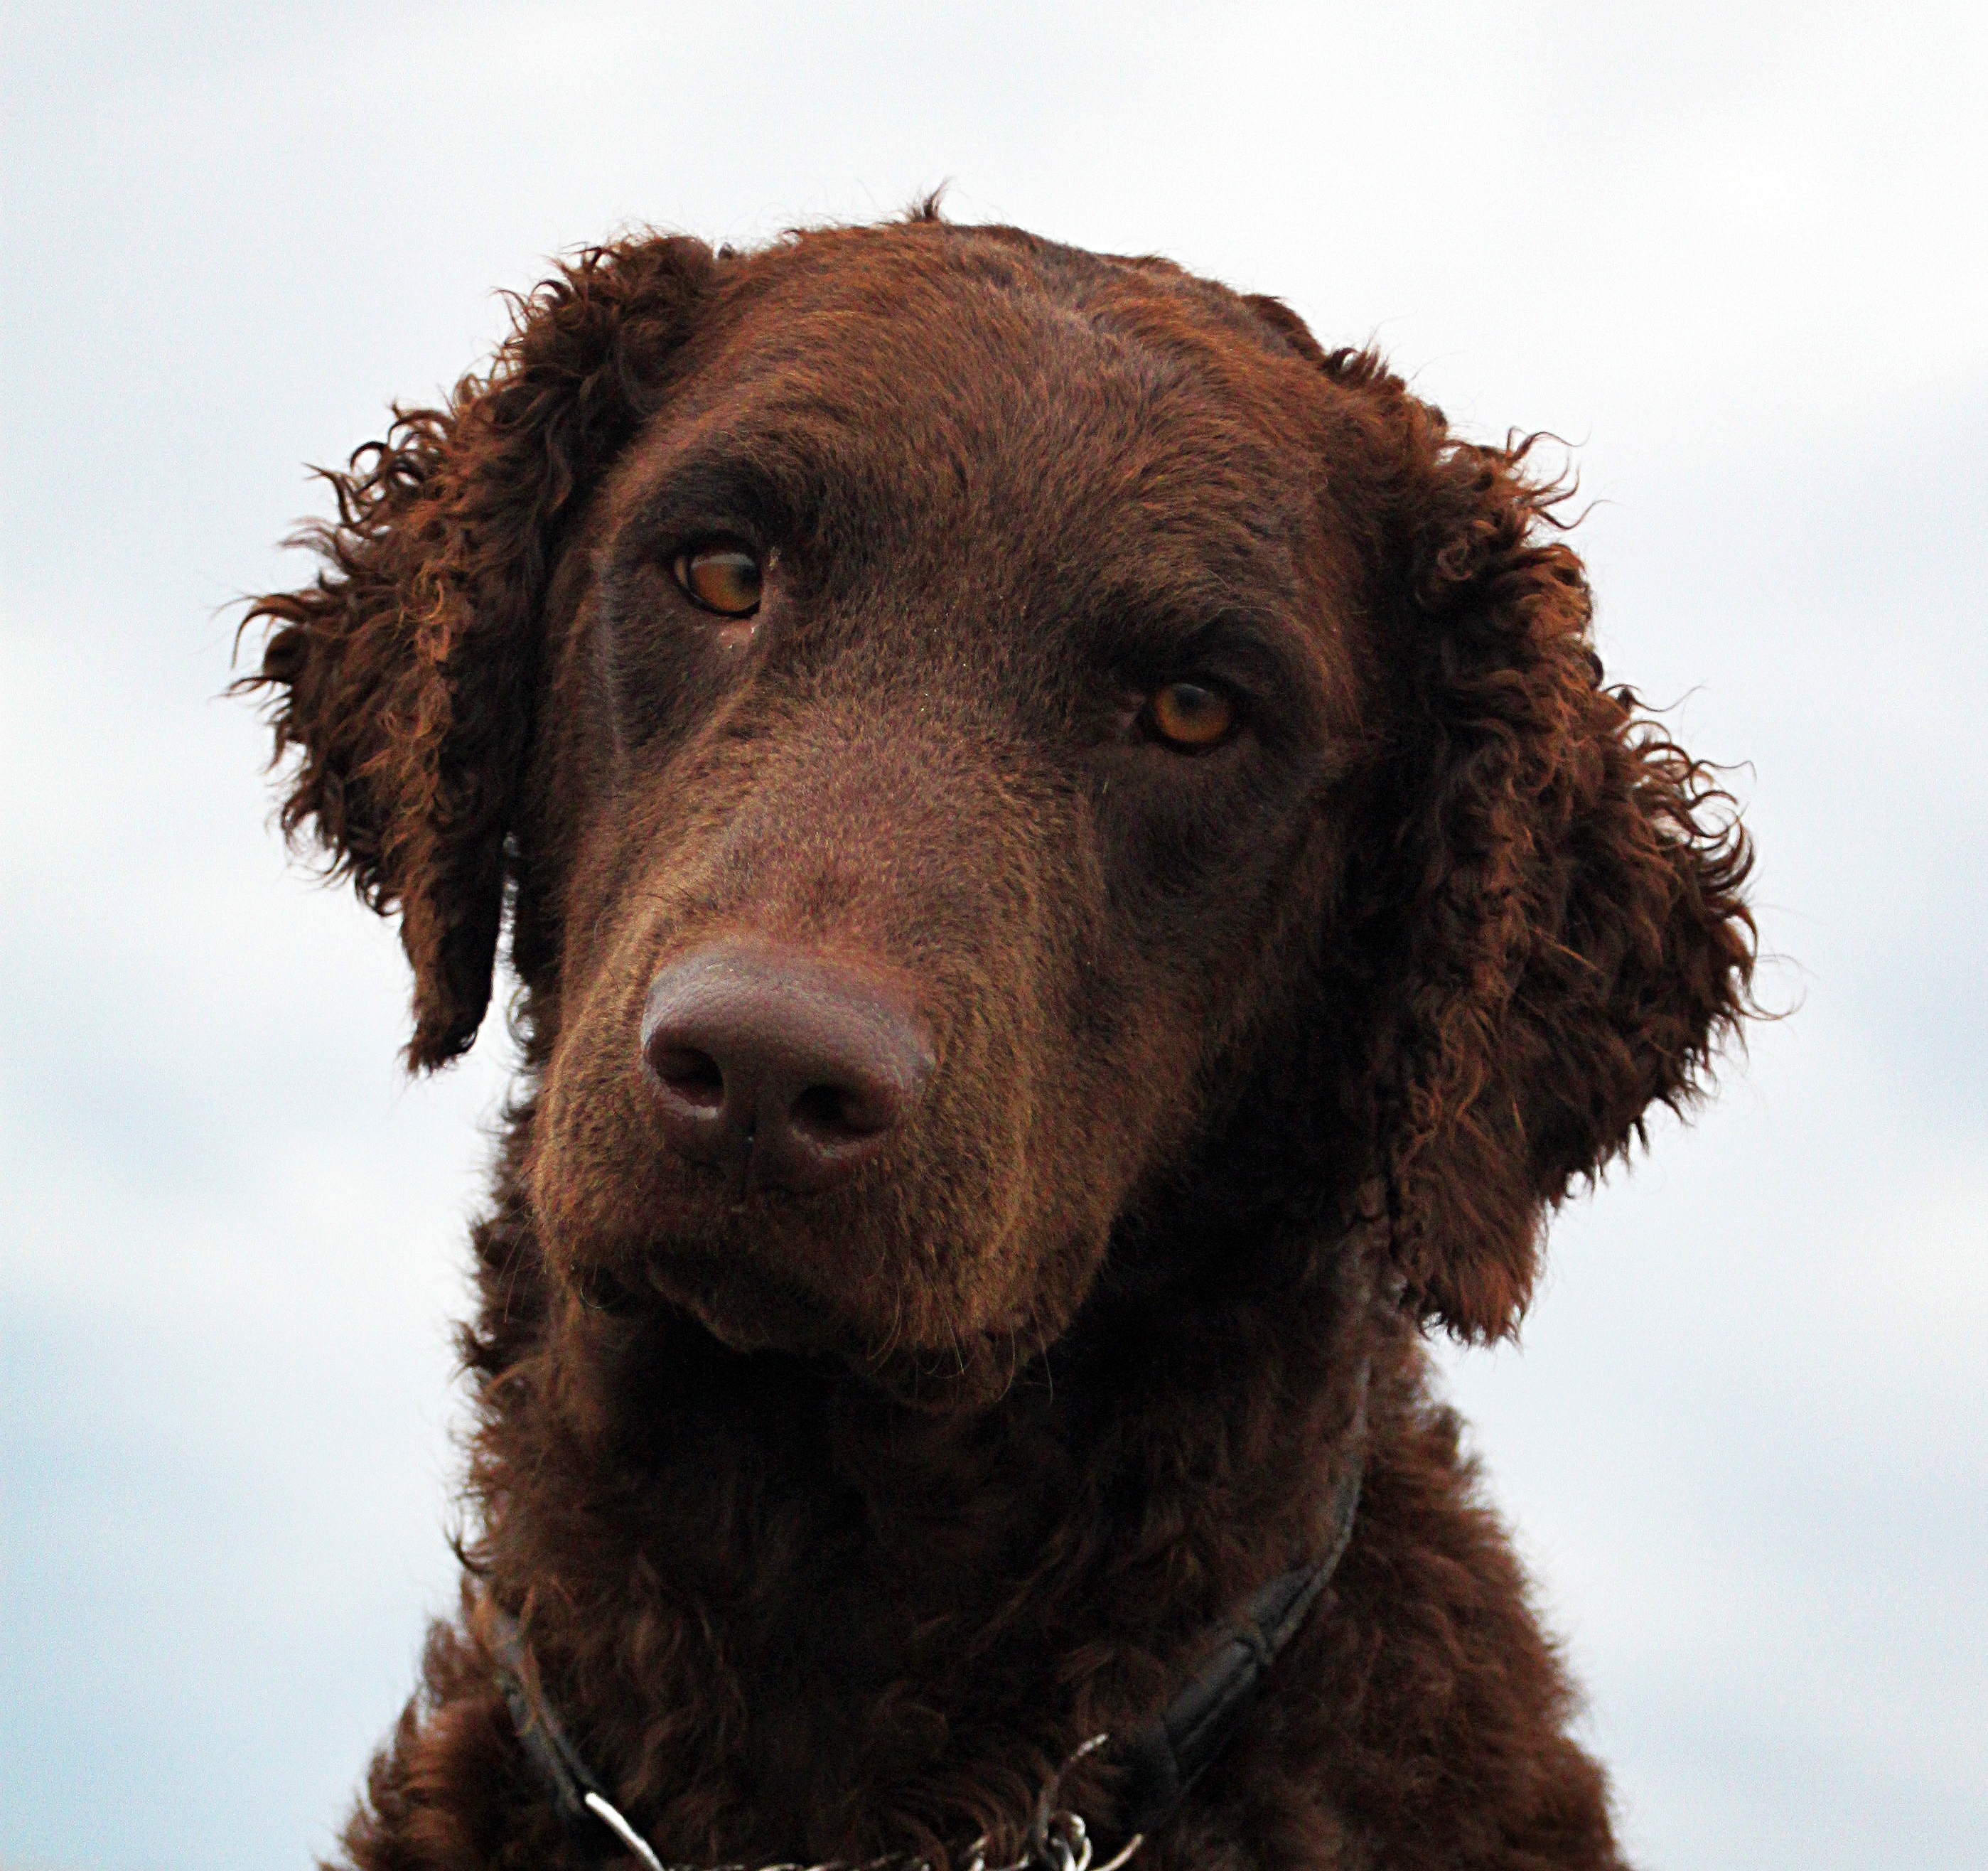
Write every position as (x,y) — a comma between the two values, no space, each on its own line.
(723,576)
(1191,717)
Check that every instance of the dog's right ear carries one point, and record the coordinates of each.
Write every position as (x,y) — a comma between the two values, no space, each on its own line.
(403,678)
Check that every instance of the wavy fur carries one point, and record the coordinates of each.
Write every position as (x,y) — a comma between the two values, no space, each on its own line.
(1225,1046)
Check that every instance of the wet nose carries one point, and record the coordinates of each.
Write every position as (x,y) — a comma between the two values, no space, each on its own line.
(787,1069)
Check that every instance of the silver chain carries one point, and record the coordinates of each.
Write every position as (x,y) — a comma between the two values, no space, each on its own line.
(1058,1841)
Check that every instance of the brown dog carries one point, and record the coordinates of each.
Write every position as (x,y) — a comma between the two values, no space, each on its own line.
(1075,886)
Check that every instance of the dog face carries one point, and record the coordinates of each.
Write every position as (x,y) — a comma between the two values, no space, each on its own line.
(960,673)
(975,731)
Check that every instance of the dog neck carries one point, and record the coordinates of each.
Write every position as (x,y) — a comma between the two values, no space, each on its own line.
(786,1614)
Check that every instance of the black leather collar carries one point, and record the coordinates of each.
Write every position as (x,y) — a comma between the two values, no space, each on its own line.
(1163,1759)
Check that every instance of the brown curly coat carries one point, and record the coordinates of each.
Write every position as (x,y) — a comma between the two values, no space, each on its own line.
(834,1522)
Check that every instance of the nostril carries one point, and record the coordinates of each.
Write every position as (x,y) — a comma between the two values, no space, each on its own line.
(832,1114)
(693,1075)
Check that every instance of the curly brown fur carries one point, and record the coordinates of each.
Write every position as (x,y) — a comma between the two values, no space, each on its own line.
(835,1518)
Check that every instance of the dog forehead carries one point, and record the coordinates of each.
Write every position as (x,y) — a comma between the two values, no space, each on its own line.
(951,374)
(886,302)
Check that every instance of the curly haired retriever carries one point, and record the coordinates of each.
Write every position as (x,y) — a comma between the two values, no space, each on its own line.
(1075,888)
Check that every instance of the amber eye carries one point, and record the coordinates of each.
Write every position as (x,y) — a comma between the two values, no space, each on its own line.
(723,577)
(1186,715)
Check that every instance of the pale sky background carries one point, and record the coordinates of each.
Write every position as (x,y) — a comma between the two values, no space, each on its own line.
(1737,255)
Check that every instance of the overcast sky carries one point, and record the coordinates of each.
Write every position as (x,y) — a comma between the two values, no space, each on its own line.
(1735,254)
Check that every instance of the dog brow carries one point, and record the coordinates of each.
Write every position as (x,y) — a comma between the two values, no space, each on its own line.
(738,477)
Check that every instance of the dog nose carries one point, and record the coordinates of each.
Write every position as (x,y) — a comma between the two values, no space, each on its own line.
(788,1071)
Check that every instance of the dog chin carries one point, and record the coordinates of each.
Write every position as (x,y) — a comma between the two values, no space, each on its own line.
(748,1309)
(744,1306)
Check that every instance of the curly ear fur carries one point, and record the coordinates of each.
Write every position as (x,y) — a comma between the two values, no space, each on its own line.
(1577,942)
(403,675)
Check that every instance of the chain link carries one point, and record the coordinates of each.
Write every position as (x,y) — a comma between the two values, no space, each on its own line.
(1058,1840)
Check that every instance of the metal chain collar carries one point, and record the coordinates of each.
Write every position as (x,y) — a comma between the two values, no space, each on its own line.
(1058,1841)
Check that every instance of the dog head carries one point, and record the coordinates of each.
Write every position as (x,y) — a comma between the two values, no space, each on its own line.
(982,742)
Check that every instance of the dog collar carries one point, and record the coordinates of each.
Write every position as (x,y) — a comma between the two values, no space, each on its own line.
(1158,1761)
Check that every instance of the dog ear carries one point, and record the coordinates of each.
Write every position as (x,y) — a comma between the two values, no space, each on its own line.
(1564,925)
(403,678)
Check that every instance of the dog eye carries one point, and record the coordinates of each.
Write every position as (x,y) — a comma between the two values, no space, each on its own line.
(723,576)
(1191,715)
